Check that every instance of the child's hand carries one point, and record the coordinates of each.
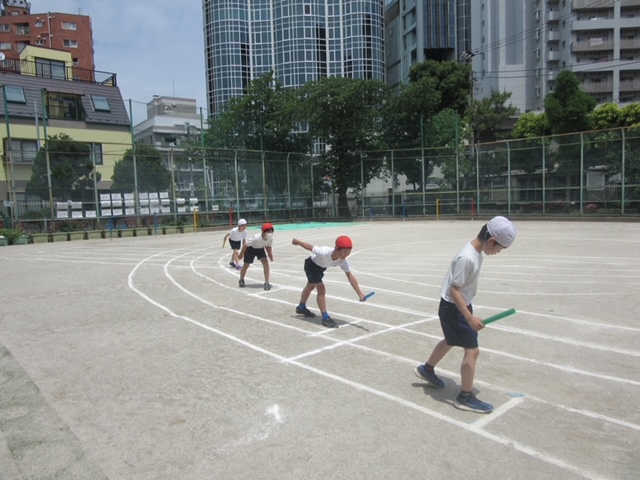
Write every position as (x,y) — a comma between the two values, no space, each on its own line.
(294,241)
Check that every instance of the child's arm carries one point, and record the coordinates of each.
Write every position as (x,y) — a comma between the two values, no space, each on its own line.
(354,283)
(473,321)
(304,245)
(269,253)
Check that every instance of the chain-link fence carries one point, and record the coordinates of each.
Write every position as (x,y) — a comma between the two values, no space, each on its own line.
(595,174)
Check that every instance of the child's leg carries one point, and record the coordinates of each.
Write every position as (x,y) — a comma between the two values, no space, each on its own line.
(468,368)
(265,267)
(321,297)
(236,258)
(439,351)
(306,292)
(243,271)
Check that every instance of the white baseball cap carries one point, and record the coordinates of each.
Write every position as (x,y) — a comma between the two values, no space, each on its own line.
(242,221)
(502,230)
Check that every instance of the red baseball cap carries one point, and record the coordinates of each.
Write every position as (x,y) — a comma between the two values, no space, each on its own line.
(267,226)
(344,242)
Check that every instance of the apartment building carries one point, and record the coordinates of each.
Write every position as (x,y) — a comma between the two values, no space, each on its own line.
(522,46)
(54,30)
(421,30)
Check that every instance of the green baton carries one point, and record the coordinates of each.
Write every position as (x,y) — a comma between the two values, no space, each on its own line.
(499,316)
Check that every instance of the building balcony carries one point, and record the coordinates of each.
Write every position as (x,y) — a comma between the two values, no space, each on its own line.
(629,3)
(553,56)
(592,45)
(630,43)
(25,67)
(553,16)
(593,4)
(630,85)
(553,36)
(597,87)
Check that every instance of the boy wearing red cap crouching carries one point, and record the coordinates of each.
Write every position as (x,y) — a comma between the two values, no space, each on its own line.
(322,258)
(258,246)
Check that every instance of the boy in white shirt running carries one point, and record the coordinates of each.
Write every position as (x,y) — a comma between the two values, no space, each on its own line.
(314,266)
(237,236)
(459,325)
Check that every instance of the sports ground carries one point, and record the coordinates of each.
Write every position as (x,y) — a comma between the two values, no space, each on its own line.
(140,358)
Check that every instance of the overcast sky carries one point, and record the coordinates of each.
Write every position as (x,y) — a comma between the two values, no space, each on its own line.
(154,46)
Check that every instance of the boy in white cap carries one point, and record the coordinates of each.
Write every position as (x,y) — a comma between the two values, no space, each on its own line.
(459,325)
(314,266)
(237,236)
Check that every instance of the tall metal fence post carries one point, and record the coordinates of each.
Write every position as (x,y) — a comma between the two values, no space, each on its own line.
(508,178)
(477,154)
(544,175)
(136,210)
(622,176)
(289,186)
(204,164)
(393,186)
(235,165)
(581,196)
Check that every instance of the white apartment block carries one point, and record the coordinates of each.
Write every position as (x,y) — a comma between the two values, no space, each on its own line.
(521,47)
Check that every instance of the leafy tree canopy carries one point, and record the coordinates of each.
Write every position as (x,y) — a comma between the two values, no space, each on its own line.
(531,125)
(490,116)
(71,169)
(345,113)
(152,175)
(567,107)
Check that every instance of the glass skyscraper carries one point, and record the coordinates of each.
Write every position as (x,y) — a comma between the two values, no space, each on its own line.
(299,40)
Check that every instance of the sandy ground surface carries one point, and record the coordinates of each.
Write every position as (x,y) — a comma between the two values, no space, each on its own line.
(140,358)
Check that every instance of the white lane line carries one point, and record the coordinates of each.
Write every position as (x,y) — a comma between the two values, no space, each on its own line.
(349,342)
(497,413)
(568,341)
(489,436)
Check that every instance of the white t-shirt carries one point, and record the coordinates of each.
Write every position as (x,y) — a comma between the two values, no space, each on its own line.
(258,242)
(321,256)
(236,235)
(464,273)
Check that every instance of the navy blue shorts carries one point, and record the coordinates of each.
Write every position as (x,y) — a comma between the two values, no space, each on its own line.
(250,253)
(457,331)
(235,244)
(313,271)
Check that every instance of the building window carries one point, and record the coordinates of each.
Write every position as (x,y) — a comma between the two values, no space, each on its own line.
(41,41)
(50,68)
(64,106)
(23,151)
(70,43)
(5,28)
(14,94)
(69,26)
(22,29)
(5,45)
(100,103)
(95,150)
(39,23)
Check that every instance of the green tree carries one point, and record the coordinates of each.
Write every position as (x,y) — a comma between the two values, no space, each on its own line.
(567,107)
(490,116)
(71,170)
(152,175)
(345,114)
(606,116)
(531,125)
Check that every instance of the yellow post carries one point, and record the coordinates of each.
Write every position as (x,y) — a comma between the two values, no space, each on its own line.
(437,209)
(195,219)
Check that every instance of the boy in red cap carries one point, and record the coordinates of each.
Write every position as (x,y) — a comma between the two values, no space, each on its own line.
(314,266)
(459,324)
(258,246)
